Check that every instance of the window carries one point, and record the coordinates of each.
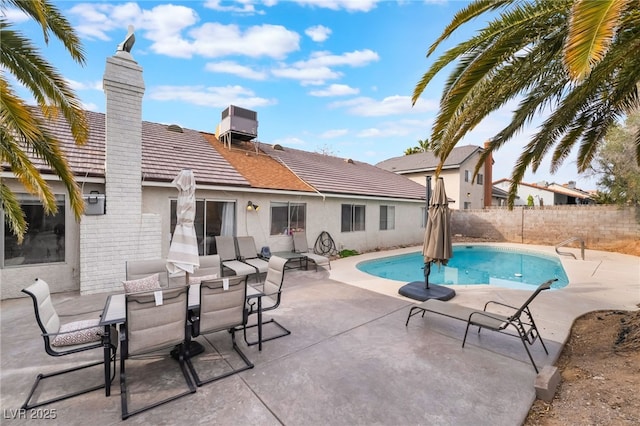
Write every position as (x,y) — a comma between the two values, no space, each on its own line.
(466,175)
(387,217)
(287,218)
(423,211)
(479,179)
(213,218)
(352,218)
(467,205)
(44,241)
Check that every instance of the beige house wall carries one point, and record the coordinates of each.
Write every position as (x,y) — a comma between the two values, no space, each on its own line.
(598,225)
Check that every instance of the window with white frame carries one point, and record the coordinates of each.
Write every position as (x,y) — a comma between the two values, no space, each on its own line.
(479,179)
(213,218)
(466,175)
(288,217)
(387,217)
(353,218)
(467,205)
(44,241)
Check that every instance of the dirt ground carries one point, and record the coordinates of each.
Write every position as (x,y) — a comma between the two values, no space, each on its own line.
(600,367)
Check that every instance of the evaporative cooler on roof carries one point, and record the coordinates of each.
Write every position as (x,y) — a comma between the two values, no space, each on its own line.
(238,124)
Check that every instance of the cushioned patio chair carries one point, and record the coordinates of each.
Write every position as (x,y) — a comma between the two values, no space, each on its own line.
(248,253)
(210,268)
(227,251)
(519,323)
(271,289)
(65,339)
(155,320)
(222,308)
(300,246)
(141,269)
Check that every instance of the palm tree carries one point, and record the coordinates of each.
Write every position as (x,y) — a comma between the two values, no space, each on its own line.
(423,146)
(574,60)
(21,132)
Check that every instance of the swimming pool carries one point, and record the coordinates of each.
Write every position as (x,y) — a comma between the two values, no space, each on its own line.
(504,267)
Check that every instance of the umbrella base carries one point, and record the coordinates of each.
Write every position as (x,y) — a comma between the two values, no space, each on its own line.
(195,348)
(416,290)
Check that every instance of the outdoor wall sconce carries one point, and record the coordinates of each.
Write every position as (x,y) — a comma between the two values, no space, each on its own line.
(251,206)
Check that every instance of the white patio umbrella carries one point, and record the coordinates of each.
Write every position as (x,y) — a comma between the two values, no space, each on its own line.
(183,252)
(437,247)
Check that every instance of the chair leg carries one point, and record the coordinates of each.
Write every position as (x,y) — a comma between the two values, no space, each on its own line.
(248,365)
(123,388)
(283,332)
(39,377)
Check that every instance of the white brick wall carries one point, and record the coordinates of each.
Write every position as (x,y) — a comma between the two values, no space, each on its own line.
(123,233)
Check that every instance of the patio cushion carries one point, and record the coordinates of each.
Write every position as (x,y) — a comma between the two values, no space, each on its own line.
(198,280)
(152,282)
(78,332)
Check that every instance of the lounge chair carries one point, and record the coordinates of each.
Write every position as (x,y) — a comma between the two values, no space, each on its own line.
(222,308)
(227,251)
(65,339)
(249,254)
(520,321)
(300,246)
(155,320)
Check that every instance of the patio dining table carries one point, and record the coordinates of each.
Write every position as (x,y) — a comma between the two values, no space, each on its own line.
(114,313)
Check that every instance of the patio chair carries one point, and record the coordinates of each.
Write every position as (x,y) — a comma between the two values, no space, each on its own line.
(248,253)
(155,320)
(210,268)
(520,320)
(271,296)
(140,269)
(300,246)
(222,308)
(65,339)
(227,251)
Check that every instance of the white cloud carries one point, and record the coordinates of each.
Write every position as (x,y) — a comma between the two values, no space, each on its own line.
(391,105)
(215,97)
(90,106)
(318,33)
(335,90)
(317,69)
(239,6)
(215,40)
(77,85)
(288,141)
(315,75)
(335,133)
(15,15)
(230,67)
(349,5)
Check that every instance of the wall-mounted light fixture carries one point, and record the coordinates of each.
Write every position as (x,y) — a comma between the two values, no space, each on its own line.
(251,206)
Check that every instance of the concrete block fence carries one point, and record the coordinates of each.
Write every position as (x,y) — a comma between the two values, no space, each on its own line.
(598,225)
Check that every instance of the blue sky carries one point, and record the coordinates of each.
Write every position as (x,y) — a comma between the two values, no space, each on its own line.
(330,76)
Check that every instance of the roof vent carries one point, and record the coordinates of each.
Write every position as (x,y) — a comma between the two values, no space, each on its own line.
(348,160)
(175,128)
(278,147)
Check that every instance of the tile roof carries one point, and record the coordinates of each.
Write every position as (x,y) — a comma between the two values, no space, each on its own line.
(427,161)
(553,187)
(335,175)
(164,153)
(259,169)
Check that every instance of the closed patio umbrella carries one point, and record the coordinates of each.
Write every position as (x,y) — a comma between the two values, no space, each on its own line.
(183,252)
(437,248)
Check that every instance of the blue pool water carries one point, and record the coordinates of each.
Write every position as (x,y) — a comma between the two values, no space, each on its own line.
(473,265)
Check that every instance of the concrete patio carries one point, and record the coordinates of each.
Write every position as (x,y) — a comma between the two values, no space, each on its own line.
(350,360)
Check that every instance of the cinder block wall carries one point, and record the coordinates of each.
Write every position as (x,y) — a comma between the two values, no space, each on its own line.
(597,225)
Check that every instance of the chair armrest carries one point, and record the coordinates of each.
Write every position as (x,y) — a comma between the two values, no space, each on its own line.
(499,303)
(69,332)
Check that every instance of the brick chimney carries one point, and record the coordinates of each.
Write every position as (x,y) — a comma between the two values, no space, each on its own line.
(488,177)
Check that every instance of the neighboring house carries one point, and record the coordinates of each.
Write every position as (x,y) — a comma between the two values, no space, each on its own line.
(457,172)
(126,171)
(499,197)
(546,194)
